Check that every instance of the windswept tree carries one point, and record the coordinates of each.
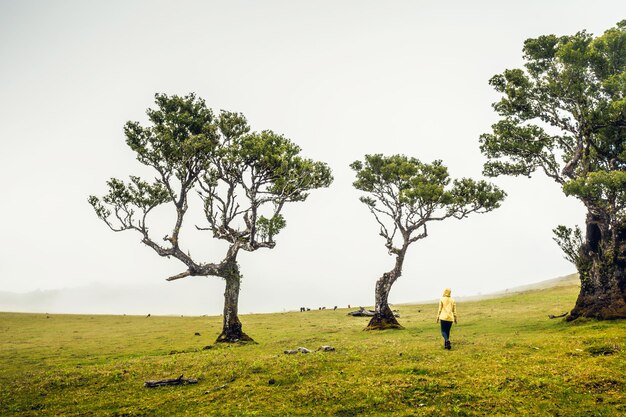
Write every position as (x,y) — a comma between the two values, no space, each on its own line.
(404,195)
(564,114)
(242,180)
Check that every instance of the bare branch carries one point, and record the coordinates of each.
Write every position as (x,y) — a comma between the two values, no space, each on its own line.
(179,276)
(420,236)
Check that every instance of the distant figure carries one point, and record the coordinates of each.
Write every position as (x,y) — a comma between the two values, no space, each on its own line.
(349,306)
(446,314)
(335,308)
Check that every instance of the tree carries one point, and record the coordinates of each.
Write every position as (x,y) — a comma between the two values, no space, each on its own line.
(405,194)
(564,114)
(242,179)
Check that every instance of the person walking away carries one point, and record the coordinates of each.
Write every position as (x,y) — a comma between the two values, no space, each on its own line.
(447,315)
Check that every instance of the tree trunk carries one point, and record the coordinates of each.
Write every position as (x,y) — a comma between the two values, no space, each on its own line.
(601,267)
(231,331)
(383,316)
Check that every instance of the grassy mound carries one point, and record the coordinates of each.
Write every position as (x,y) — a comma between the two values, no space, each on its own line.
(508,358)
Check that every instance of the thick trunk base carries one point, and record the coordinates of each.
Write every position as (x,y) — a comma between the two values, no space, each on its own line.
(234,337)
(602,290)
(601,266)
(601,308)
(383,322)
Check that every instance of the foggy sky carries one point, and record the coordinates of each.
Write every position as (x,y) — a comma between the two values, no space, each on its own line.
(339,78)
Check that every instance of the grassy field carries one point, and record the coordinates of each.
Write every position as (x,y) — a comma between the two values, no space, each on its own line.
(508,358)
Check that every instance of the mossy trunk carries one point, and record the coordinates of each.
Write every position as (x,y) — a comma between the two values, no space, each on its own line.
(601,267)
(232,331)
(383,316)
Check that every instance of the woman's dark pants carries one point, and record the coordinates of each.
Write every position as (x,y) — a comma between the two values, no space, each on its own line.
(445,329)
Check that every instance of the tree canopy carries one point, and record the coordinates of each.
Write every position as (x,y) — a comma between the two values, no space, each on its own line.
(564,113)
(405,194)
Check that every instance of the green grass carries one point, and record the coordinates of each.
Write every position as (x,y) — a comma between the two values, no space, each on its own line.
(508,358)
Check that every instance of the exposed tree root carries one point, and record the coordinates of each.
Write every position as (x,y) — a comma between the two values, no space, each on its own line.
(383,322)
(591,307)
(239,337)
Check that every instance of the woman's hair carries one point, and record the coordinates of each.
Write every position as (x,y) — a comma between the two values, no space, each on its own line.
(447,292)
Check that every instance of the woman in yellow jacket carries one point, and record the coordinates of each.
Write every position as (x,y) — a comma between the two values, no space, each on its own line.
(446,314)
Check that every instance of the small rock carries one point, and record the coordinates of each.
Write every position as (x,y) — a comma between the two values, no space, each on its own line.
(299,349)
(327,349)
(196,334)
(272,381)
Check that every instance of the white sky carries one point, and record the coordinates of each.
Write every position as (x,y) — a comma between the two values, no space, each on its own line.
(340,78)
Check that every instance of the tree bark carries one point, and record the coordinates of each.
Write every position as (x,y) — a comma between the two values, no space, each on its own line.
(601,268)
(231,330)
(383,317)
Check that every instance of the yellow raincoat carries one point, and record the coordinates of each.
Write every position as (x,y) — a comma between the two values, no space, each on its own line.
(447,307)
